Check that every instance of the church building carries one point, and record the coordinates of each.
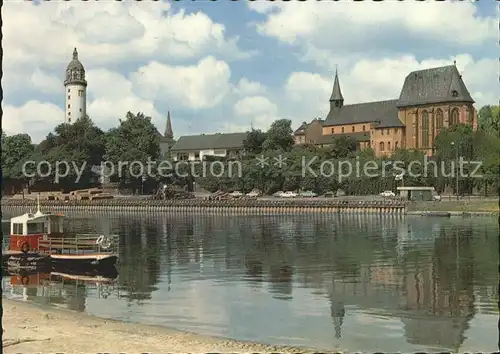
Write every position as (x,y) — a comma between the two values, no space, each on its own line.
(430,100)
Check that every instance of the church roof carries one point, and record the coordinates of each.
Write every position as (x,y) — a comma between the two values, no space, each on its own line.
(434,85)
(210,141)
(384,112)
(336,92)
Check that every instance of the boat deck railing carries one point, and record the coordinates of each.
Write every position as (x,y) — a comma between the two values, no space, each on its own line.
(80,244)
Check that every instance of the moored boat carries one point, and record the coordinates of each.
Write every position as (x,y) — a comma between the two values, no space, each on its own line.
(34,237)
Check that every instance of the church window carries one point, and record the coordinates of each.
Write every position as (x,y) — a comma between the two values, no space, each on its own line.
(388,146)
(381,131)
(353,128)
(69,106)
(425,129)
(439,120)
(69,113)
(364,128)
(342,129)
(454,93)
(80,109)
(69,97)
(69,90)
(454,117)
(381,145)
(471,116)
(396,145)
(333,130)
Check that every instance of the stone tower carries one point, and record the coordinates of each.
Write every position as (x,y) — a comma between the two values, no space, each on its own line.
(75,90)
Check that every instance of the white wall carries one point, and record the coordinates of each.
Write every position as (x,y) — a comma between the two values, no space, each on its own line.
(77,102)
(202,153)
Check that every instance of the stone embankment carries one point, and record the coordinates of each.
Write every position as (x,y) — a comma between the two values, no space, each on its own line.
(245,206)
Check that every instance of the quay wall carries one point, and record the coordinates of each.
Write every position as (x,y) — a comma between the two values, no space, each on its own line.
(231,206)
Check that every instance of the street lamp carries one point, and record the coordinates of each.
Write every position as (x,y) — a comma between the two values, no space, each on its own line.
(456,174)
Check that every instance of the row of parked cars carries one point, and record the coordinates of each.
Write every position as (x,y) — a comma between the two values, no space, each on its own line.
(281,194)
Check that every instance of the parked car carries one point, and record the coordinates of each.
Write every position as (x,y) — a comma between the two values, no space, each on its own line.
(236,194)
(278,194)
(329,195)
(436,198)
(253,194)
(289,194)
(308,194)
(387,194)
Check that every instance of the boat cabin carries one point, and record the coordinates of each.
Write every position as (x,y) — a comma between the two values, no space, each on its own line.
(26,230)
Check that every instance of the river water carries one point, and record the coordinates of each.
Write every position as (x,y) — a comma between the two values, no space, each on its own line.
(355,283)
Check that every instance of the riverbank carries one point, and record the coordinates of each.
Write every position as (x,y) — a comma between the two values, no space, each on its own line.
(243,206)
(464,207)
(30,329)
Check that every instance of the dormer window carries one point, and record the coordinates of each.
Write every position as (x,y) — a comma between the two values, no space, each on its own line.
(337,104)
(454,93)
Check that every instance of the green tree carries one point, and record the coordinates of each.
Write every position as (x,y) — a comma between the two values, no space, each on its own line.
(489,118)
(343,147)
(16,149)
(279,136)
(133,143)
(78,147)
(253,142)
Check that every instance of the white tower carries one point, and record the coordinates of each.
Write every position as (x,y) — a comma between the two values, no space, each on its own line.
(76,90)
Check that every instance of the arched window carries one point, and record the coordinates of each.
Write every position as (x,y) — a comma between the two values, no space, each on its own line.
(388,146)
(454,120)
(417,131)
(381,146)
(471,115)
(396,145)
(425,129)
(439,121)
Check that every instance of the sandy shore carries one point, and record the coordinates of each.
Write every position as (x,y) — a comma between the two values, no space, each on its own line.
(32,329)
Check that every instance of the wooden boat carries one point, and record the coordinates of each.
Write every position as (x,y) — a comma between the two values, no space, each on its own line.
(83,261)
(42,234)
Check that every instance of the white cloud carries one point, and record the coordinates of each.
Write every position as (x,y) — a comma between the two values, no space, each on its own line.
(255,111)
(246,87)
(328,25)
(112,96)
(108,32)
(199,86)
(44,82)
(254,105)
(33,117)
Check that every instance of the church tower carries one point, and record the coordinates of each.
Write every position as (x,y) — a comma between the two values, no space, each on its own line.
(336,99)
(76,90)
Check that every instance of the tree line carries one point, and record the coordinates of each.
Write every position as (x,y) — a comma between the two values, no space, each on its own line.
(137,139)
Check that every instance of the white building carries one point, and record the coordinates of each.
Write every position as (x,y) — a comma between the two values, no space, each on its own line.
(76,90)
(197,147)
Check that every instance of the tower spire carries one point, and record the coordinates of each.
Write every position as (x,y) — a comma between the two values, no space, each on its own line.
(168,129)
(75,54)
(336,99)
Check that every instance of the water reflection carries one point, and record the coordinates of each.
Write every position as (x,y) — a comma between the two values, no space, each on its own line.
(349,282)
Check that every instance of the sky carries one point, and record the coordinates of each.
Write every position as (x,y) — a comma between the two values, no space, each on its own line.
(227,66)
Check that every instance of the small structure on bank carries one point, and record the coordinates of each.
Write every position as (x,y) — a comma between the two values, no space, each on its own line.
(417,193)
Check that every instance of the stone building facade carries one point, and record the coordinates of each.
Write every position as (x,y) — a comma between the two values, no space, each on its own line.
(430,100)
